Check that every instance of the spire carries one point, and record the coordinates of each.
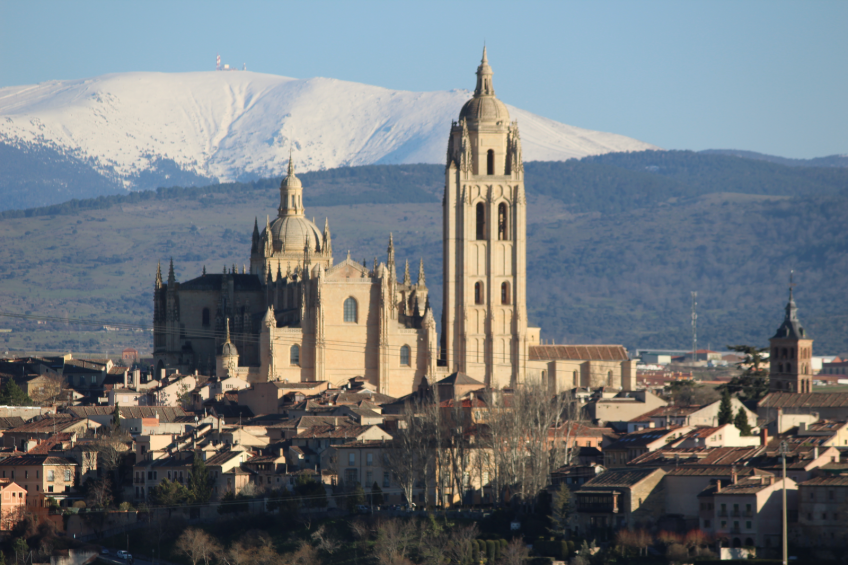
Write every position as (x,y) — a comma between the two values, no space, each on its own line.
(171,278)
(484,77)
(391,251)
(406,279)
(791,309)
(291,161)
(421,279)
(279,272)
(269,238)
(204,270)
(227,325)
(158,283)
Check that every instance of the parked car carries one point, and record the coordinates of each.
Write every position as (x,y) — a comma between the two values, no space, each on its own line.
(362,509)
(104,550)
(125,555)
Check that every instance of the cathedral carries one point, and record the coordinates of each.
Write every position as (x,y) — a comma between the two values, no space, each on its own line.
(299,316)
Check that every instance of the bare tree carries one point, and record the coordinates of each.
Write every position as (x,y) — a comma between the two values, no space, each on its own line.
(324,540)
(403,455)
(516,553)
(198,546)
(395,540)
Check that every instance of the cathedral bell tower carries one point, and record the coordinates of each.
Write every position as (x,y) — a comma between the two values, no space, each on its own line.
(791,354)
(484,330)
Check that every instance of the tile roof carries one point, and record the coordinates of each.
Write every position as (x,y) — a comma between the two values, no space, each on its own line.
(578,352)
(40,459)
(324,431)
(641,438)
(691,471)
(619,478)
(11,422)
(751,485)
(459,378)
(697,456)
(667,411)
(810,400)
(213,282)
(221,458)
(166,413)
(48,423)
(841,481)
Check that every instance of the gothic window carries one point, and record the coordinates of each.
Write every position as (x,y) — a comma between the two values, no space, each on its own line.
(404,356)
(503,221)
(350,310)
(505,294)
(478,293)
(206,316)
(490,162)
(294,355)
(481,221)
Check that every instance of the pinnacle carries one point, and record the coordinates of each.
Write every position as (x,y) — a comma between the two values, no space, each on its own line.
(485,59)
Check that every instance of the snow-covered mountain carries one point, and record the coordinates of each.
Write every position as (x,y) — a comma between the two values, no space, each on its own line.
(233,125)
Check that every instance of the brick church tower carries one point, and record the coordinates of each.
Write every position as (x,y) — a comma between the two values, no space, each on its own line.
(791,354)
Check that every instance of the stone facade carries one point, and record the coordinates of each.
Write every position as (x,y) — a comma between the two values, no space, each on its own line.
(299,316)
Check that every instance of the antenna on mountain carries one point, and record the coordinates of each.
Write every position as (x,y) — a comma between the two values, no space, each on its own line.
(694,326)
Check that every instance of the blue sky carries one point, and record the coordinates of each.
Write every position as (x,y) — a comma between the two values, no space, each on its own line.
(766,76)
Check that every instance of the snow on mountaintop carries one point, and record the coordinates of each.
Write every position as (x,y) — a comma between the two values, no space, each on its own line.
(230,124)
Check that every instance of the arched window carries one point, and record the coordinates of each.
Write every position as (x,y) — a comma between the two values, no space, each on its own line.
(404,356)
(505,294)
(609,378)
(206,316)
(350,310)
(481,221)
(490,162)
(294,355)
(478,293)
(576,378)
(503,221)
(780,367)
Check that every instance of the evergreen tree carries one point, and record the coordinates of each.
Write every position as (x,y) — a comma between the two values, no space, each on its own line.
(563,510)
(12,395)
(376,494)
(753,383)
(312,492)
(725,409)
(741,422)
(355,498)
(169,493)
(199,484)
(116,417)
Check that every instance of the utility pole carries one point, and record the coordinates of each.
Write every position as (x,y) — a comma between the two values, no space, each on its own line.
(783,451)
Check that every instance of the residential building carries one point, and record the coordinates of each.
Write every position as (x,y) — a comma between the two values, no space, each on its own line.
(42,476)
(630,446)
(823,512)
(622,407)
(619,498)
(747,512)
(12,504)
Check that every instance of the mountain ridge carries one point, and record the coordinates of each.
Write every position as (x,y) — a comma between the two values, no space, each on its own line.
(242,125)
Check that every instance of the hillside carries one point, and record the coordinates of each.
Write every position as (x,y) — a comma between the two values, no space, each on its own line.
(612,258)
(156,129)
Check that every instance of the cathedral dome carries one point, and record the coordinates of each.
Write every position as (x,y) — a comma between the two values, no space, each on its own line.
(229,350)
(290,233)
(484,108)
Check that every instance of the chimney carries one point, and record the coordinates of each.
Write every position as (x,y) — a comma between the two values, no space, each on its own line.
(126,374)
(771,480)
(802,427)
(764,439)
(733,476)
(815,452)
(652,424)
(718,485)
(136,380)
